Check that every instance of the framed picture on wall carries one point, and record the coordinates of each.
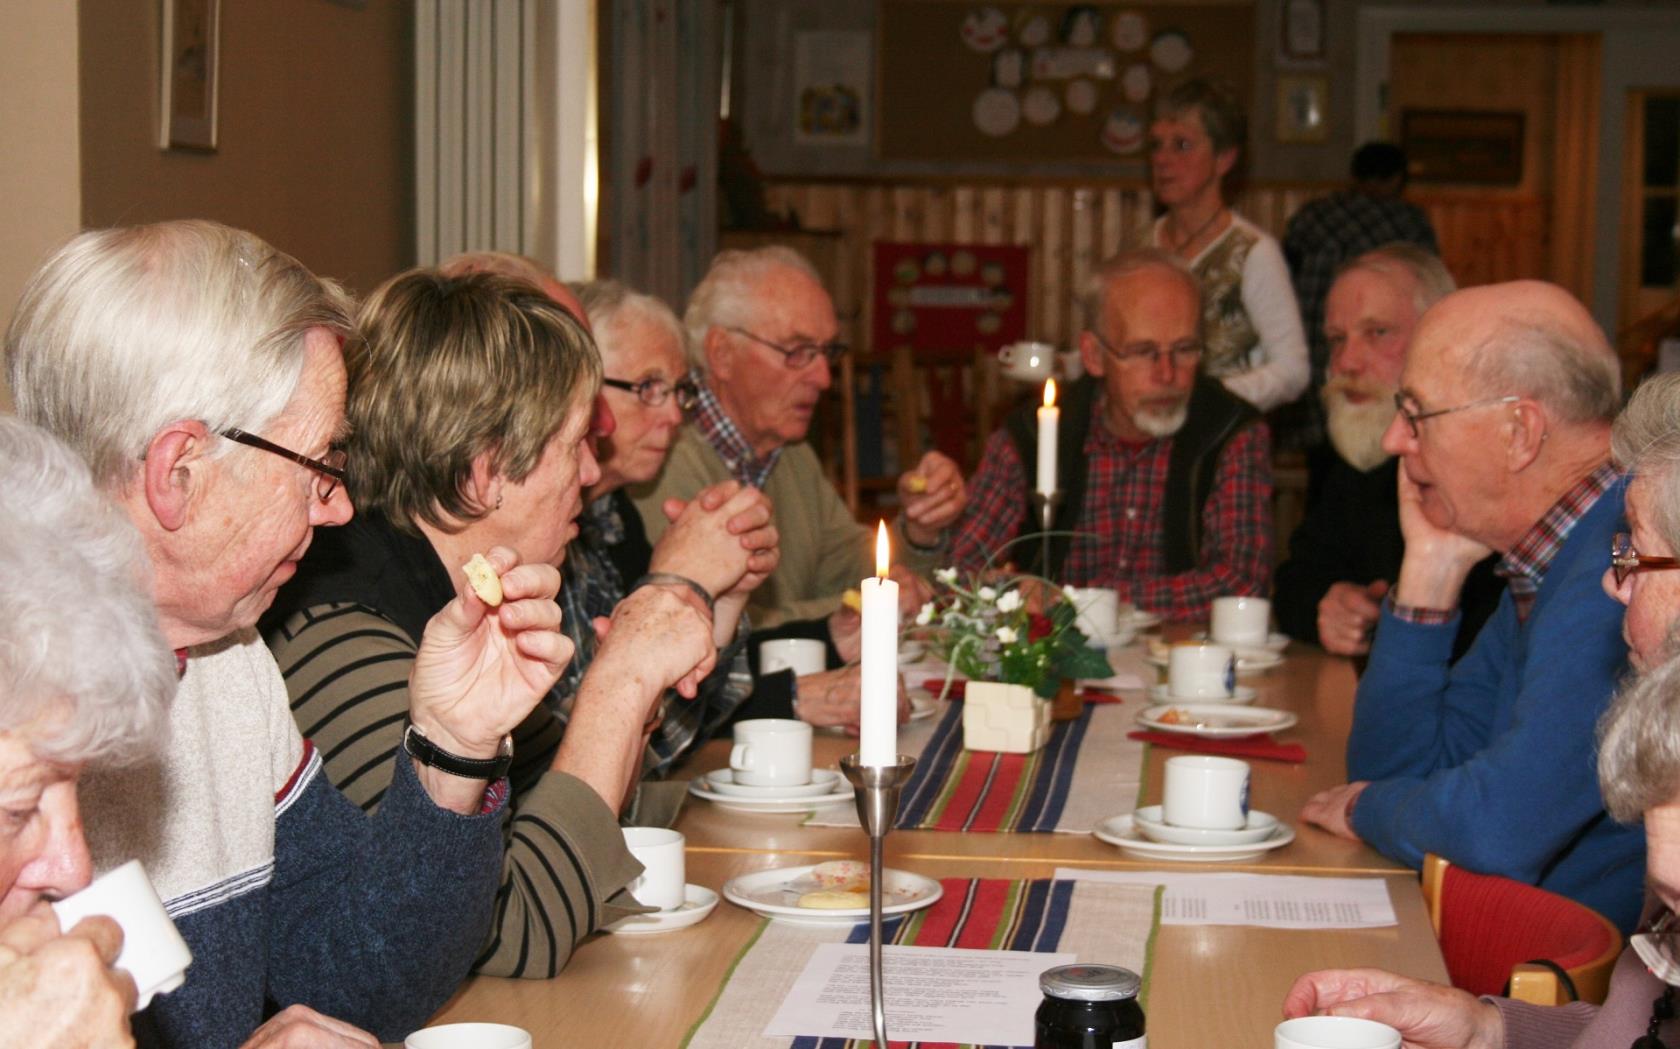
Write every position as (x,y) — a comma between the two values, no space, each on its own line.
(1303,108)
(187,74)
(1478,147)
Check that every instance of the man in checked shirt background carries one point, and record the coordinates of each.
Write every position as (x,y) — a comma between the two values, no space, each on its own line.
(1166,479)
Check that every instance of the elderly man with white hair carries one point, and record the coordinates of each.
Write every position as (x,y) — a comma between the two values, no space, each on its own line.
(763,338)
(1346,552)
(85,676)
(198,372)
(1503,434)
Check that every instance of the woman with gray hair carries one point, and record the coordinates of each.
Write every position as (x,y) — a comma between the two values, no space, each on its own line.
(84,677)
(1638,773)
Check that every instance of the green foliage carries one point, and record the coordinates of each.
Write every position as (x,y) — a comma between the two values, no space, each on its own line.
(987,633)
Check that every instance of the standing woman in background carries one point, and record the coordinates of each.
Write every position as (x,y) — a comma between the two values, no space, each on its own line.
(1251,325)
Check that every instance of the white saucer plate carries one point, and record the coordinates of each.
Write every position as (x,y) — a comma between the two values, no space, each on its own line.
(1243,695)
(1147,820)
(1248,659)
(910,651)
(775,894)
(722,781)
(1137,620)
(1123,832)
(1274,643)
(1215,720)
(923,705)
(770,806)
(698,901)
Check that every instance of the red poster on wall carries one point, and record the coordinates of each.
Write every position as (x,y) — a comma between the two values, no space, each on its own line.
(947,299)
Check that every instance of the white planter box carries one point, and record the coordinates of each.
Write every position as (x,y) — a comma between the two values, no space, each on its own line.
(1006,719)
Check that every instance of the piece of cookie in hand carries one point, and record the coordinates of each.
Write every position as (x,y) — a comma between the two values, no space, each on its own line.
(486,583)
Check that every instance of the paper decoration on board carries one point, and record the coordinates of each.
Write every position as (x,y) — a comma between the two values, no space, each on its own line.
(1032,29)
(985,30)
(1040,106)
(1009,68)
(996,111)
(1137,82)
(1080,25)
(1171,50)
(1130,31)
(949,298)
(1123,131)
(1081,96)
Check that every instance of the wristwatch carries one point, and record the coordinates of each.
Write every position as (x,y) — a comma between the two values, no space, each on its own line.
(433,756)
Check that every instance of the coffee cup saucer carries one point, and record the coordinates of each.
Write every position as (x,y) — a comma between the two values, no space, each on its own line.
(1275,642)
(722,781)
(1123,833)
(1149,821)
(1162,694)
(698,901)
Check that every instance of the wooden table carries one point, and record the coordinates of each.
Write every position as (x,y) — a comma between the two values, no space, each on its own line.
(1211,985)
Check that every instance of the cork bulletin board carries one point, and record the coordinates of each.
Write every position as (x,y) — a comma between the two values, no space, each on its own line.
(967,81)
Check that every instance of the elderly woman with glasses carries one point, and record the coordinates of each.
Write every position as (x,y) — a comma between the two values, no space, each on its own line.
(85,676)
(1638,772)
(473,407)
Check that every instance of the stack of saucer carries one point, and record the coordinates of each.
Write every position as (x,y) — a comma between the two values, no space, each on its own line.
(826,787)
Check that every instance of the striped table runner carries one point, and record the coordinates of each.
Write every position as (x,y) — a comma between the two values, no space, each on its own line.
(1095,921)
(1088,772)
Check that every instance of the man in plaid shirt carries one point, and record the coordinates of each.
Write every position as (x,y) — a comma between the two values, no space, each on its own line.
(1166,480)
(1503,433)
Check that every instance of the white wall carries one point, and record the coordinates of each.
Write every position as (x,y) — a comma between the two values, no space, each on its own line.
(40,176)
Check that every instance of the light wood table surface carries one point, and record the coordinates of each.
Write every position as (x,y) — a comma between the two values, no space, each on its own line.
(1316,687)
(1210,985)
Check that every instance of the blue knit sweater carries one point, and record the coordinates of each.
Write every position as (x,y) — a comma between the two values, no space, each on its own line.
(1492,763)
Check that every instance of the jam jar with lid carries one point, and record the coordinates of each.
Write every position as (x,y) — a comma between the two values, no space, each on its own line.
(1089,1007)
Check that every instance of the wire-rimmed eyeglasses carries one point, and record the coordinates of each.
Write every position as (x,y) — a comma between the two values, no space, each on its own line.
(1625,560)
(653,391)
(800,355)
(1184,355)
(329,469)
(1413,413)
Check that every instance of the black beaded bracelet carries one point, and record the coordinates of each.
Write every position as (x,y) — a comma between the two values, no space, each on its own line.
(673,579)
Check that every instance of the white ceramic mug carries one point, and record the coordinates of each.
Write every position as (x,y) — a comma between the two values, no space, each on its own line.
(470,1036)
(664,876)
(1198,671)
(152,949)
(801,655)
(1028,361)
(1241,621)
(771,752)
(1206,793)
(1099,611)
(1334,1032)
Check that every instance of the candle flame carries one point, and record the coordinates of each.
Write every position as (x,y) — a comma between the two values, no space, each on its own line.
(882,554)
(1049,393)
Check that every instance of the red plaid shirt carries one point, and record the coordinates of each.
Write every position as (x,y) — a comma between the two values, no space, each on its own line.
(1524,565)
(1120,524)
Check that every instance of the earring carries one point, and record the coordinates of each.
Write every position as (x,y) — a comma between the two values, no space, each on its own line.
(498,500)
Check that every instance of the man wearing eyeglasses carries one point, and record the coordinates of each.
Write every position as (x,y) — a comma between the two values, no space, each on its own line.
(1503,435)
(763,339)
(1165,478)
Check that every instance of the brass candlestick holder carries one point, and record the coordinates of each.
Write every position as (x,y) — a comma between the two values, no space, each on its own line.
(877,788)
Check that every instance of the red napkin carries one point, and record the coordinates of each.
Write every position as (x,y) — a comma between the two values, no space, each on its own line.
(1260,746)
(958,691)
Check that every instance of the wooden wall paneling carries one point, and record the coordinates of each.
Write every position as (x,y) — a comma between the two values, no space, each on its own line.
(1574,164)
(1052,242)
(992,202)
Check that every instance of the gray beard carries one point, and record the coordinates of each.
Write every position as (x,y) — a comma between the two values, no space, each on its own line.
(1158,424)
(1356,430)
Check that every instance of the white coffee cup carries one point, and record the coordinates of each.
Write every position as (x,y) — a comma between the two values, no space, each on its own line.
(800,655)
(1099,611)
(1241,620)
(152,949)
(771,752)
(1028,361)
(1201,671)
(1334,1032)
(664,876)
(1206,793)
(470,1036)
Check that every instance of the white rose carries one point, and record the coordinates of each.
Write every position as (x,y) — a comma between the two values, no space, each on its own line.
(1006,635)
(986,594)
(925,616)
(1010,601)
(948,576)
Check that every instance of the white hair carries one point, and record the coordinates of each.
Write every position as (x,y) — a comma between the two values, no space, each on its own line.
(726,295)
(1645,441)
(84,667)
(609,304)
(1094,294)
(124,331)
(1432,281)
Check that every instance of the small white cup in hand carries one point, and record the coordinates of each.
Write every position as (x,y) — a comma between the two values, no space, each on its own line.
(1241,621)
(470,1036)
(771,752)
(801,655)
(1099,611)
(1198,671)
(1206,793)
(1334,1032)
(664,876)
(153,951)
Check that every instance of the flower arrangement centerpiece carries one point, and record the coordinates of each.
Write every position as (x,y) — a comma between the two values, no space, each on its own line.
(993,635)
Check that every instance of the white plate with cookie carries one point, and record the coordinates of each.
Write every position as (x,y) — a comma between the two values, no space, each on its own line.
(802,896)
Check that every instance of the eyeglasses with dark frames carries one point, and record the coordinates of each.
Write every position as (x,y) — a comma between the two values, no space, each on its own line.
(1625,560)
(800,355)
(1412,412)
(653,391)
(1182,356)
(329,469)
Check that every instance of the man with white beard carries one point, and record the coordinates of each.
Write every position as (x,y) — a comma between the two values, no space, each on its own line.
(1346,553)
(1165,478)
